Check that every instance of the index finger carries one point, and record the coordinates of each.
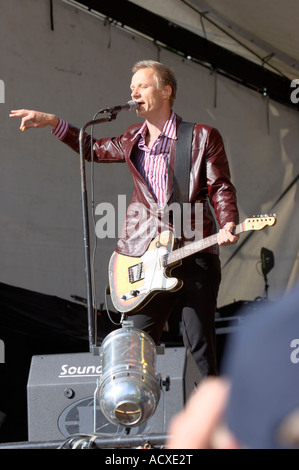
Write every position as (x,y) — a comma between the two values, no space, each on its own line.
(18,113)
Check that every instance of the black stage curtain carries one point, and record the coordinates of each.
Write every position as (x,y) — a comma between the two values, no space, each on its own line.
(34,324)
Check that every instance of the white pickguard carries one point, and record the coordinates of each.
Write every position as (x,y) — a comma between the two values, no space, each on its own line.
(154,276)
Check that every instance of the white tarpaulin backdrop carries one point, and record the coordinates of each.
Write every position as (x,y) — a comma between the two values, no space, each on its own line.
(74,70)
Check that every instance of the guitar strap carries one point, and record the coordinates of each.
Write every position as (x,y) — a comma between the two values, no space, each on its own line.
(182,167)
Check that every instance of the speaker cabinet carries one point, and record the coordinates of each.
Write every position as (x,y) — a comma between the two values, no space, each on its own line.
(61,395)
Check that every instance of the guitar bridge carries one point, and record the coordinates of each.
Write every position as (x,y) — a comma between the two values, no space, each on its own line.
(136,272)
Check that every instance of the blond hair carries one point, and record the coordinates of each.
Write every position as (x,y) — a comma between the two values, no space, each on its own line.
(163,75)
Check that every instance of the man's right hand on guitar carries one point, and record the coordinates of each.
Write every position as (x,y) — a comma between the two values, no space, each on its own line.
(225,235)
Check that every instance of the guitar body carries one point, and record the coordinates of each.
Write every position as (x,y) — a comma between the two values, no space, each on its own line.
(134,281)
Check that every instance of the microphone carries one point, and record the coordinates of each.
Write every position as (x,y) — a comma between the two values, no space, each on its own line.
(129,106)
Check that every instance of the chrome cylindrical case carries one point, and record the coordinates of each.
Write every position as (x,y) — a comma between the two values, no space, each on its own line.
(129,390)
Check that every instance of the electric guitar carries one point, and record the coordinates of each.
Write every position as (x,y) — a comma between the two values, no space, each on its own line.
(134,281)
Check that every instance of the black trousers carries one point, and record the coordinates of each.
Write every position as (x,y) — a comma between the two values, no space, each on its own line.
(197,301)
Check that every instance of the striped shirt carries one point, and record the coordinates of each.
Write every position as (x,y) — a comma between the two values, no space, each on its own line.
(60,129)
(151,163)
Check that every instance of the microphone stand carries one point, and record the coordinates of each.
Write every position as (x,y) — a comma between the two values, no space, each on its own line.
(92,334)
(266,287)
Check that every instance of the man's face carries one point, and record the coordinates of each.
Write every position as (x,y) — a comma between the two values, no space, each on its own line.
(144,90)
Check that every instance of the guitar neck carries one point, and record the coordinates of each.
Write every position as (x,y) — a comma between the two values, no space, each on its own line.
(194,247)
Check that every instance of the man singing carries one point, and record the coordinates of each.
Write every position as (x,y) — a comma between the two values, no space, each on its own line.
(148,149)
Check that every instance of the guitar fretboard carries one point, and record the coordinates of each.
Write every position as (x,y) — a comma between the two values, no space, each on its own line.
(194,247)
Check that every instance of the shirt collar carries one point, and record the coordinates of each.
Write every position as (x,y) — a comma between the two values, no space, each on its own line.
(169,128)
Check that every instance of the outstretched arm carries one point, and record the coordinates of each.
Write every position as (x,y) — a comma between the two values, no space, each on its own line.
(106,149)
(34,119)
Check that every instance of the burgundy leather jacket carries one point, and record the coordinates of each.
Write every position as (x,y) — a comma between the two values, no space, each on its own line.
(209,182)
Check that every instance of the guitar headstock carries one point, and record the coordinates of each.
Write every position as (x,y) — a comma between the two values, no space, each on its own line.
(259,222)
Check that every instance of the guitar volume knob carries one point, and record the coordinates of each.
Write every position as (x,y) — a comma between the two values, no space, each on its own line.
(134,293)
